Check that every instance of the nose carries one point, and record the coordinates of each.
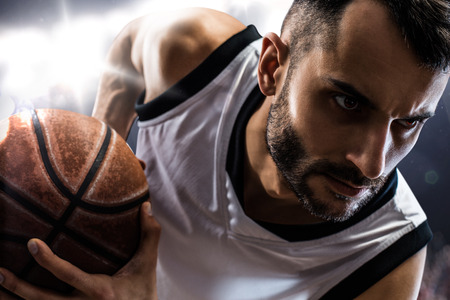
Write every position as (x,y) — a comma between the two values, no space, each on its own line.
(369,149)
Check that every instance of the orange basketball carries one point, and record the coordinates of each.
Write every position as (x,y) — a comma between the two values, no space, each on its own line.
(73,182)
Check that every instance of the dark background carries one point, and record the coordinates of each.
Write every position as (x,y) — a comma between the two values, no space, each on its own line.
(426,168)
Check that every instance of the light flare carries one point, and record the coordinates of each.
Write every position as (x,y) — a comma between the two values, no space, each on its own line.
(61,66)
(7,106)
(4,128)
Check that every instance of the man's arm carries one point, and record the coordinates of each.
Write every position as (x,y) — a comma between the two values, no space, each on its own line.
(120,84)
(153,53)
(402,283)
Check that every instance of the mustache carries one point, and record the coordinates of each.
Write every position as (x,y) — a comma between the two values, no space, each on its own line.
(345,173)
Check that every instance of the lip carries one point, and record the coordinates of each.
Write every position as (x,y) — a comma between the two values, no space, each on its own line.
(344,188)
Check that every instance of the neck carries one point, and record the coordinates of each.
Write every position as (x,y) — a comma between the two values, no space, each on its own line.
(266,194)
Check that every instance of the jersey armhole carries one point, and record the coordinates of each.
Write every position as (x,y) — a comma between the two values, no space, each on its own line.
(200,77)
(382,264)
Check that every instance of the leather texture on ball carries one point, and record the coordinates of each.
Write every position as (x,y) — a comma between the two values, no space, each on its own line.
(73,182)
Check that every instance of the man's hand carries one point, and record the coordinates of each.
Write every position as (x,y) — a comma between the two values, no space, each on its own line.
(136,280)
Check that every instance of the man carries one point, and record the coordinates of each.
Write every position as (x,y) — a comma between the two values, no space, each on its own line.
(271,163)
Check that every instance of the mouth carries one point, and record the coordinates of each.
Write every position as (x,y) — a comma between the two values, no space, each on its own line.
(343,189)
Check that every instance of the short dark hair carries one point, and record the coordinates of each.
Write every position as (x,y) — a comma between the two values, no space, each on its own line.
(424,24)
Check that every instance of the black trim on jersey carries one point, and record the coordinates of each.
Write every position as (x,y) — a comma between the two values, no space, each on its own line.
(382,264)
(201,76)
(236,147)
(373,270)
(291,233)
(296,233)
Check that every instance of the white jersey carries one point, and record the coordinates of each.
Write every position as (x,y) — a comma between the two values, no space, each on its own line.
(191,138)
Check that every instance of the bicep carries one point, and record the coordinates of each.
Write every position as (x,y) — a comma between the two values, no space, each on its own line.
(120,85)
(179,42)
(402,283)
(153,53)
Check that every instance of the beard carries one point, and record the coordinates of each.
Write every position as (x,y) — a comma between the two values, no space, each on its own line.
(296,166)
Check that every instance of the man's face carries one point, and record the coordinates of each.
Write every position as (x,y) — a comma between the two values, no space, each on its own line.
(344,118)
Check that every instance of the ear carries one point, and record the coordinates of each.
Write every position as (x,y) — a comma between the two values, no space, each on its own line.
(274,55)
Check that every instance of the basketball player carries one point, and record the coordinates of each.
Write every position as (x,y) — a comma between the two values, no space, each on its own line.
(272,162)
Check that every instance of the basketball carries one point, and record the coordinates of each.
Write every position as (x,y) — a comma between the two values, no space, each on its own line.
(73,182)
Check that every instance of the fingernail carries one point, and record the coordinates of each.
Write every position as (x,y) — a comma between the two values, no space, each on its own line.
(32,247)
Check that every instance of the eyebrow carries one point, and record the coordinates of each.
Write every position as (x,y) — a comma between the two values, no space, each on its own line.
(420,117)
(352,91)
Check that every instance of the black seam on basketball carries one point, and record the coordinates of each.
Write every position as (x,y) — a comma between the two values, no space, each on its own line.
(35,210)
(13,238)
(76,199)
(58,227)
(96,164)
(45,158)
(113,209)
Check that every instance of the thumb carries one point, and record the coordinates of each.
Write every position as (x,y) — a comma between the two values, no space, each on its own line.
(150,231)
(139,273)
(145,258)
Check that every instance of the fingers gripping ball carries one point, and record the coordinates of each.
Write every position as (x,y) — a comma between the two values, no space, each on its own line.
(71,181)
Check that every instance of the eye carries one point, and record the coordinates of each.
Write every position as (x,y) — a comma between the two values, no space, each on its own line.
(409,124)
(346,102)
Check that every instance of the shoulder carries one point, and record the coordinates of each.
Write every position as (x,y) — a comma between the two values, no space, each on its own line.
(402,283)
(168,46)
